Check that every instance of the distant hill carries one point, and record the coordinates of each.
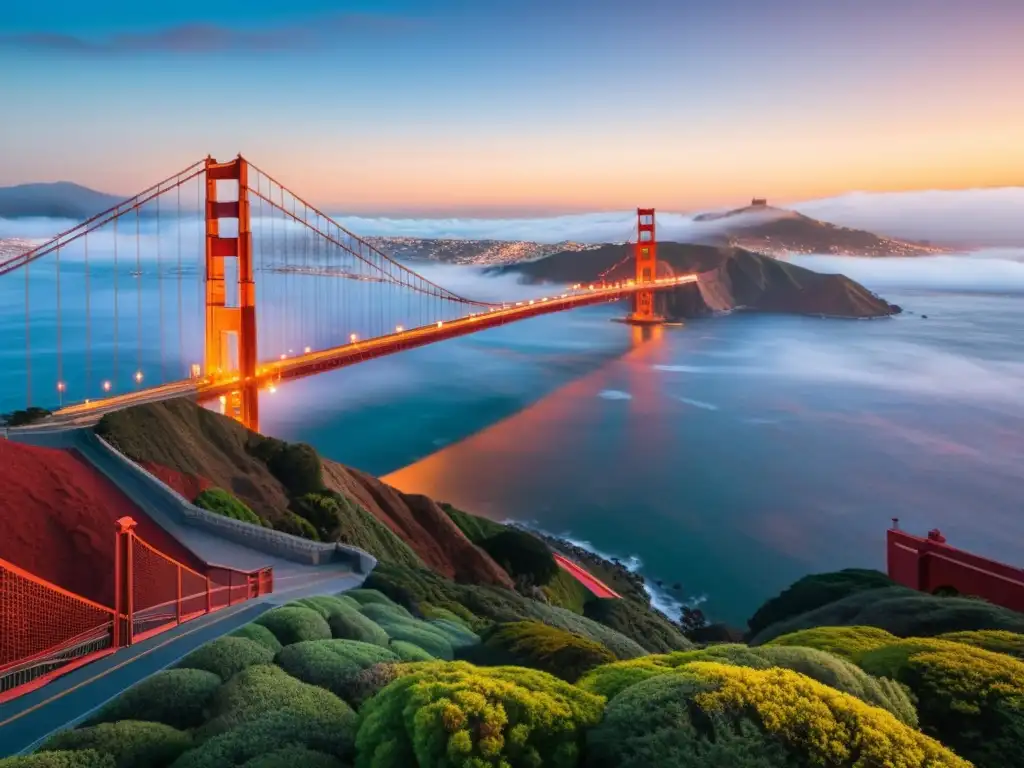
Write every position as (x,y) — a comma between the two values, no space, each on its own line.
(731,278)
(780,232)
(58,200)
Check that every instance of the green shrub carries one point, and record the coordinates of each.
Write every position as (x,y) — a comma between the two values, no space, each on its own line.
(331,664)
(366,596)
(491,605)
(526,558)
(131,743)
(368,682)
(644,625)
(380,612)
(903,612)
(295,624)
(330,733)
(434,612)
(971,698)
(421,634)
(409,652)
(291,523)
(566,592)
(297,467)
(322,511)
(707,714)
(549,649)
(79,758)
(227,656)
(221,502)
(460,715)
(814,591)
(325,605)
(174,697)
(21,417)
(1010,643)
(848,642)
(474,528)
(455,632)
(258,690)
(294,757)
(258,634)
(352,625)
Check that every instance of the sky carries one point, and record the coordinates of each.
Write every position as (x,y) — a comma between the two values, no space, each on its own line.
(520,107)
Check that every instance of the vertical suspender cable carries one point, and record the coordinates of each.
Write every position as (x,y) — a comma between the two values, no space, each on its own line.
(60,355)
(88,324)
(138,292)
(181,331)
(160,290)
(115,307)
(28,344)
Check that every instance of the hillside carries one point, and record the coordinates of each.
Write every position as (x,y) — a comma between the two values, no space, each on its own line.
(58,200)
(289,487)
(732,278)
(780,232)
(57,518)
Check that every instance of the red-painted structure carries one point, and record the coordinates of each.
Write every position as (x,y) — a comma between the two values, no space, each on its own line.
(47,631)
(646,266)
(930,564)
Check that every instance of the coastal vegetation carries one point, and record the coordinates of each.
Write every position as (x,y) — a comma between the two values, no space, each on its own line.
(484,656)
(420,688)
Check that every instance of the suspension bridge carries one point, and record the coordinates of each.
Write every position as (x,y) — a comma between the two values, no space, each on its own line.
(219,282)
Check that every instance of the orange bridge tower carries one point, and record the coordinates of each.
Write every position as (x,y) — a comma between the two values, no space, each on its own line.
(646,267)
(234,321)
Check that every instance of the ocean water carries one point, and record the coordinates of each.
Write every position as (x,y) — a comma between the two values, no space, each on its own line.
(729,456)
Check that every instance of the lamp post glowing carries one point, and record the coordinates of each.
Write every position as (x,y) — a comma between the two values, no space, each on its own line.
(106,386)
(60,393)
(138,377)
(352,338)
(399,329)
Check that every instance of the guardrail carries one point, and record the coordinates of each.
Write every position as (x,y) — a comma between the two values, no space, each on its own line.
(47,631)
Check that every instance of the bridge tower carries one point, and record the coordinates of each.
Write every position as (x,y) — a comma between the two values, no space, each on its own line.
(234,321)
(646,267)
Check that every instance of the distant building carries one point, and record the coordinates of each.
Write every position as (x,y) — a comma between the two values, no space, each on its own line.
(759,202)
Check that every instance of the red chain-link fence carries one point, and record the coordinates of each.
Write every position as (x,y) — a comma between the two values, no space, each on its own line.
(46,631)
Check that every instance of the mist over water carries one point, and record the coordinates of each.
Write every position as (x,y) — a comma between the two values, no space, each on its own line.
(732,455)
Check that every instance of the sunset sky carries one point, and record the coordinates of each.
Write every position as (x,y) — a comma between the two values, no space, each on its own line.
(492,106)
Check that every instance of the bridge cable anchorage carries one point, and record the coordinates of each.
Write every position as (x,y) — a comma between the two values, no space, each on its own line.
(100,219)
(389,267)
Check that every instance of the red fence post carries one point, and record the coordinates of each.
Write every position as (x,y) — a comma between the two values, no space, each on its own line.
(229,587)
(209,596)
(177,605)
(123,582)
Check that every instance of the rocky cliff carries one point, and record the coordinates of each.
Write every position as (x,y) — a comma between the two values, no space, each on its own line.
(730,278)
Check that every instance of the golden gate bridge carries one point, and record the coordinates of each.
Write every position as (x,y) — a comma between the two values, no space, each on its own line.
(179,261)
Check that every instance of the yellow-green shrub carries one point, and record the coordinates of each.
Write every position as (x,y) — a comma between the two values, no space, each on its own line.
(999,641)
(848,642)
(538,646)
(460,716)
(830,670)
(970,698)
(706,713)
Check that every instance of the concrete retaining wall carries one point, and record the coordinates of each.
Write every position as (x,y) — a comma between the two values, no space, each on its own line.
(166,505)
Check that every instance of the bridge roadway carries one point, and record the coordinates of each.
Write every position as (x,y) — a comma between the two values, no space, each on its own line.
(300,366)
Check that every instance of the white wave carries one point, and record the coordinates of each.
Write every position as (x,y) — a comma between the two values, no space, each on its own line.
(614,394)
(667,603)
(699,404)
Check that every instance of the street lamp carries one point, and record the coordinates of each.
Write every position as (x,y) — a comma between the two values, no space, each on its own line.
(60,392)
(106,386)
(138,377)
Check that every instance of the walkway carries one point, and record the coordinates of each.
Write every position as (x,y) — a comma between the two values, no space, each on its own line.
(28,720)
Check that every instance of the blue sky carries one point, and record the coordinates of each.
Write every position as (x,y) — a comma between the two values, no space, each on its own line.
(568,105)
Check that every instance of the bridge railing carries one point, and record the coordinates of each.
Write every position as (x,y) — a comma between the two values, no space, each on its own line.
(47,631)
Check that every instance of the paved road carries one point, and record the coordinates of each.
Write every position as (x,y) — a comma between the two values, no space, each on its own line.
(30,719)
